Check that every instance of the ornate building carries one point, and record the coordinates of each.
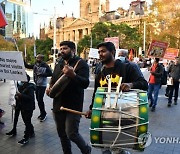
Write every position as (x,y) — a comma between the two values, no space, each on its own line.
(91,12)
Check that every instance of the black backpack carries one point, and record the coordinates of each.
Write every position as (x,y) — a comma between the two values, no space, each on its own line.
(164,77)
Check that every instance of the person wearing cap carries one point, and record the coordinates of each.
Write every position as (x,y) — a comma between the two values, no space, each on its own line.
(174,72)
(131,78)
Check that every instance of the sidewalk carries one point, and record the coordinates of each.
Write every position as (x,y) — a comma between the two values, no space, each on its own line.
(162,123)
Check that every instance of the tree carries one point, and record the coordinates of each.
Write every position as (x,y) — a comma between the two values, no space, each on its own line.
(163,22)
(6,45)
(128,37)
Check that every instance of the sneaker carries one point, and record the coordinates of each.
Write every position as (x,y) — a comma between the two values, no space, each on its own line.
(175,102)
(39,117)
(153,109)
(150,105)
(11,133)
(23,141)
(89,150)
(43,118)
(166,95)
(169,104)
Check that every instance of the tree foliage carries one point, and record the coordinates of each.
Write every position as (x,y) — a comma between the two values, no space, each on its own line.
(163,22)
(6,45)
(128,37)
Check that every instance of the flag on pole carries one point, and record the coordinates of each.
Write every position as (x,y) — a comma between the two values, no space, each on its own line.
(34,50)
(3,21)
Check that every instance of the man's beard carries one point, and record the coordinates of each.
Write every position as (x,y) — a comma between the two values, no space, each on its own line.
(66,56)
(108,60)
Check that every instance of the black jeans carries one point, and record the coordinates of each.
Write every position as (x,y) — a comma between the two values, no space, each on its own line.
(40,90)
(26,116)
(68,130)
(16,117)
(175,87)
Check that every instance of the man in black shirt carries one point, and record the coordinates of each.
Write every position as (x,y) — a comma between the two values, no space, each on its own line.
(131,77)
(71,97)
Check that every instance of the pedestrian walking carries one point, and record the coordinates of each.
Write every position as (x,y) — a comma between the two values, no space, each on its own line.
(174,73)
(156,71)
(71,97)
(40,71)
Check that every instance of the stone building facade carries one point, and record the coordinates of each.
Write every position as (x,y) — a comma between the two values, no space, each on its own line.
(91,12)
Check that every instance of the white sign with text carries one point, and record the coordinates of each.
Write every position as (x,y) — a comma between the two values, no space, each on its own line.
(12,66)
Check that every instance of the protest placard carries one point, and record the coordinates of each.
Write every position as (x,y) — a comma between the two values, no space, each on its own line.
(114,40)
(12,66)
(157,49)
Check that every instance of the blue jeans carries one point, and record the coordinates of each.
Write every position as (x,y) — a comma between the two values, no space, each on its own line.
(153,88)
(68,130)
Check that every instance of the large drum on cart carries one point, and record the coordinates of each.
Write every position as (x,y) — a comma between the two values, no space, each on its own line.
(122,125)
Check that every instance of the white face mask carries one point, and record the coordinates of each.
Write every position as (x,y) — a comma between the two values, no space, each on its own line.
(122,58)
(152,61)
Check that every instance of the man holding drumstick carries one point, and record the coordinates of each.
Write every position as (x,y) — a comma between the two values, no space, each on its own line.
(131,78)
(71,97)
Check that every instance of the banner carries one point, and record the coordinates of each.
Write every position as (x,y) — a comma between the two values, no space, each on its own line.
(114,40)
(3,21)
(93,53)
(157,49)
(171,53)
(12,66)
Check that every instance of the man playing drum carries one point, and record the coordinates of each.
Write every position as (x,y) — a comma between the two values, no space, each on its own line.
(71,96)
(131,78)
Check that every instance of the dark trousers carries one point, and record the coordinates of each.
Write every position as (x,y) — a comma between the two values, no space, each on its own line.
(68,130)
(39,96)
(175,87)
(26,116)
(16,117)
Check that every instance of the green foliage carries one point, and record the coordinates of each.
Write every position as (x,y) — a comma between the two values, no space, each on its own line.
(128,37)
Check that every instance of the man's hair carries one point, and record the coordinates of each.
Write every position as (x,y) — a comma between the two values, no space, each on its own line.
(70,44)
(109,46)
(157,60)
(41,56)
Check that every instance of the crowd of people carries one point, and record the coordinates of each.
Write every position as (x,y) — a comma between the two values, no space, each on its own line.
(76,71)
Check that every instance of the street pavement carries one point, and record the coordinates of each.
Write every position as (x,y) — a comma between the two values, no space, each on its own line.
(163,123)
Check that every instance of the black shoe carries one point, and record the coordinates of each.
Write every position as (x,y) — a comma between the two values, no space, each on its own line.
(169,104)
(150,105)
(89,150)
(11,133)
(23,141)
(153,109)
(166,95)
(39,117)
(43,118)
(175,102)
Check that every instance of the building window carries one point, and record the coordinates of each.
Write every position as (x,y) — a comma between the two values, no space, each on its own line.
(89,8)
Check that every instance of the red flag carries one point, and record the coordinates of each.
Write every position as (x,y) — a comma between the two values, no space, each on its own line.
(3,21)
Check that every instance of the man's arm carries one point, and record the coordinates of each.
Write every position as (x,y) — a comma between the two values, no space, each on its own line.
(48,72)
(28,65)
(135,77)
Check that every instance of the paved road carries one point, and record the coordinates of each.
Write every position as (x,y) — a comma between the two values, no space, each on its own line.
(163,123)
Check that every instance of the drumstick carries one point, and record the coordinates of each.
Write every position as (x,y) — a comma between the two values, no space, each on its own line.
(117,93)
(109,91)
(72,111)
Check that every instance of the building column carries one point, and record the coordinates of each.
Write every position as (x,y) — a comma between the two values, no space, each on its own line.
(72,35)
(76,36)
(85,31)
(89,31)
